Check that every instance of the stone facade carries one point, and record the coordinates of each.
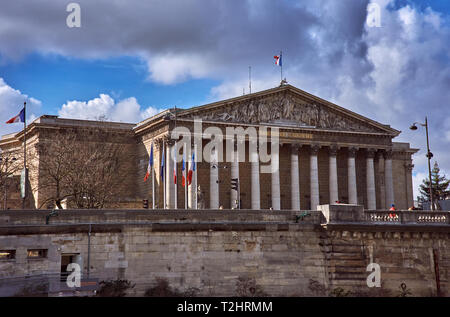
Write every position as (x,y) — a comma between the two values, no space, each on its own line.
(326,153)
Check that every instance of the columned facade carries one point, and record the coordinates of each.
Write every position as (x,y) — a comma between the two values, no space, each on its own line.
(378,181)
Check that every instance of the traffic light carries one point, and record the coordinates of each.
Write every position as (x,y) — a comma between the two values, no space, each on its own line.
(235,184)
(145,203)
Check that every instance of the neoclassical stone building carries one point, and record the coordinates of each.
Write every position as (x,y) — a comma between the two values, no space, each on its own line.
(326,153)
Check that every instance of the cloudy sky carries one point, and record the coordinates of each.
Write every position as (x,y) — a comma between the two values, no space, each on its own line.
(130,59)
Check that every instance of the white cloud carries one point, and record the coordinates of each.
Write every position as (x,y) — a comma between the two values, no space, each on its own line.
(11,102)
(104,107)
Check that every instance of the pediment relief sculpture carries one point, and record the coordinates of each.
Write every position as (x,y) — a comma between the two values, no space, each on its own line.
(286,109)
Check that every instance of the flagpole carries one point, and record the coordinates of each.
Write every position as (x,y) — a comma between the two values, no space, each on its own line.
(281,66)
(153,179)
(164,177)
(195,175)
(185,180)
(175,175)
(24,153)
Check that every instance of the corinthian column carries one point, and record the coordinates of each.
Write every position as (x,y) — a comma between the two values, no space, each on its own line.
(370,181)
(275,162)
(295,182)
(254,159)
(235,174)
(352,193)
(314,173)
(334,196)
(214,181)
(388,179)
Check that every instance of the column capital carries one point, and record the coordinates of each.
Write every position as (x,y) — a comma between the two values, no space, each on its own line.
(409,166)
(380,155)
(352,151)
(314,149)
(388,154)
(332,149)
(295,147)
(158,143)
(370,153)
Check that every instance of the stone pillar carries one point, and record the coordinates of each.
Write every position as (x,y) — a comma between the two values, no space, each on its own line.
(275,175)
(334,193)
(314,175)
(192,189)
(352,192)
(235,174)
(370,181)
(169,181)
(295,181)
(388,179)
(214,181)
(409,185)
(254,159)
(381,185)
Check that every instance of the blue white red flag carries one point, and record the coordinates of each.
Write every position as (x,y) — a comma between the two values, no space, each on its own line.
(278,60)
(150,164)
(191,169)
(19,118)
(183,170)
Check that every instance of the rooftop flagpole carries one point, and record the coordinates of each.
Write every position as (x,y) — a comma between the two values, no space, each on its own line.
(281,65)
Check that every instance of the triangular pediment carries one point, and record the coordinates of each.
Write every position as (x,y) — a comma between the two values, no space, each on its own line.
(286,106)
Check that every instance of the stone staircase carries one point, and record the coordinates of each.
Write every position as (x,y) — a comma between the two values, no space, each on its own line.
(346,263)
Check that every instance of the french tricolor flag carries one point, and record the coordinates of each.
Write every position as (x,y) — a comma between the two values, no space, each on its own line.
(278,60)
(19,118)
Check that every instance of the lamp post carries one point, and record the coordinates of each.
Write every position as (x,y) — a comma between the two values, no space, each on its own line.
(429,155)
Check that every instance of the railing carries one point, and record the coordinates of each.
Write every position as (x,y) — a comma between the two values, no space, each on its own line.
(345,213)
(413,216)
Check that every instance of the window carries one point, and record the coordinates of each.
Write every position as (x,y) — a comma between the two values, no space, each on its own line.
(37,253)
(7,254)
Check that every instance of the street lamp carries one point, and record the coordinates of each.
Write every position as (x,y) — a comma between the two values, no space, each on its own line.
(429,155)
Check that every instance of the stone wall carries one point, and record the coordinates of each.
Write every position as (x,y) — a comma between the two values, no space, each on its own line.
(286,253)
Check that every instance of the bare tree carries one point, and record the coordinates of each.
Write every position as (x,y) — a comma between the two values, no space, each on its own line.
(8,168)
(82,168)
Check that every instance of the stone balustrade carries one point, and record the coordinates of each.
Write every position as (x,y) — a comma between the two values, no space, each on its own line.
(355,213)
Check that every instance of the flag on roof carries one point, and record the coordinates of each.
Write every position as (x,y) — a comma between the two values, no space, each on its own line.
(278,60)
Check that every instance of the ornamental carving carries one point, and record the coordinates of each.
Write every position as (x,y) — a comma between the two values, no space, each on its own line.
(286,109)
